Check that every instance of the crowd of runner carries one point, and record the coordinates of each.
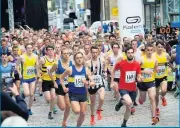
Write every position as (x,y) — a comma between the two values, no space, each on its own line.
(70,68)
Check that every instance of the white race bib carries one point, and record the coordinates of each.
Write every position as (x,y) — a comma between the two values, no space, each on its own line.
(78,81)
(49,68)
(98,80)
(30,70)
(130,76)
(6,75)
(147,75)
(117,74)
(161,70)
(13,65)
(66,80)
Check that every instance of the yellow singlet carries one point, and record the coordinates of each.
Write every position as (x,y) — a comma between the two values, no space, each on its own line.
(148,65)
(28,67)
(47,66)
(162,65)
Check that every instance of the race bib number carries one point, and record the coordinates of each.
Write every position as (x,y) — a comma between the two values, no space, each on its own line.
(79,81)
(178,67)
(117,74)
(49,68)
(66,80)
(178,70)
(13,65)
(4,75)
(98,80)
(30,70)
(130,76)
(161,70)
(147,75)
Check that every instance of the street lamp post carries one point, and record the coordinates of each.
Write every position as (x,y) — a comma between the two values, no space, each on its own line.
(61,15)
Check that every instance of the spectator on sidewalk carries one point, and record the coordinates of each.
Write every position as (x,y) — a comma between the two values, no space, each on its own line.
(18,106)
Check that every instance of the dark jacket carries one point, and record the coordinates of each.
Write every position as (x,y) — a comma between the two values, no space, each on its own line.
(19,106)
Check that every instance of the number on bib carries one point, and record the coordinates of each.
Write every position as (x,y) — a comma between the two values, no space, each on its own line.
(147,75)
(78,82)
(49,68)
(6,75)
(30,70)
(66,80)
(161,70)
(97,79)
(130,76)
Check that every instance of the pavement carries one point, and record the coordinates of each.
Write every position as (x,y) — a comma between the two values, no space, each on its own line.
(169,115)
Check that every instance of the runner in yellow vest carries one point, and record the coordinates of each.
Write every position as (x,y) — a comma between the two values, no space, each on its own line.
(29,73)
(46,63)
(161,74)
(148,66)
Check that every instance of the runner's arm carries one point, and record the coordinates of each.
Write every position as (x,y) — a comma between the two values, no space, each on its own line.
(66,73)
(18,65)
(41,62)
(53,69)
(168,57)
(88,73)
(139,76)
(156,66)
(104,66)
(37,68)
(87,65)
(108,64)
(115,67)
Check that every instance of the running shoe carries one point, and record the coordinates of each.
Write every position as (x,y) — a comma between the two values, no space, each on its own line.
(88,102)
(135,104)
(176,94)
(99,114)
(64,124)
(23,96)
(92,121)
(54,110)
(157,112)
(50,116)
(118,105)
(155,120)
(30,112)
(140,101)
(132,110)
(123,125)
(164,101)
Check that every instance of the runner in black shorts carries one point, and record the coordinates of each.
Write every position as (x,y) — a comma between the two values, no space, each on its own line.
(63,99)
(161,74)
(13,59)
(97,68)
(48,87)
(149,65)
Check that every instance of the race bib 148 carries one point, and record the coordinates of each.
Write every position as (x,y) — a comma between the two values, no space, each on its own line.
(130,76)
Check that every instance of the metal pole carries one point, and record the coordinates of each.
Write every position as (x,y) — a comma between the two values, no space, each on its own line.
(61,15)
(11,14)
(155,16)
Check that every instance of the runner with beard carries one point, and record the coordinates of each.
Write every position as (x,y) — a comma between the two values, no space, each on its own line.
(129,71)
